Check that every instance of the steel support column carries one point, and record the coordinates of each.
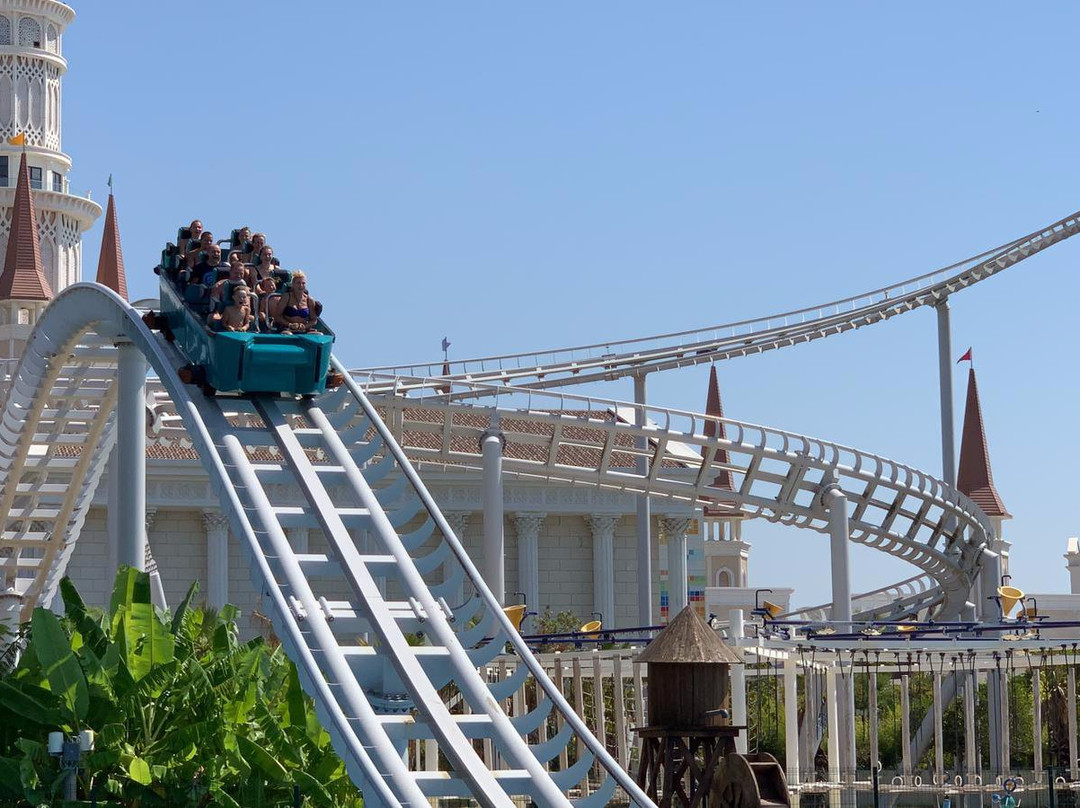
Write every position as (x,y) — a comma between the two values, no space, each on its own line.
(644,517)
(905,726)
(131,457)
(835,502)
(945,383)
(494,566)
(1036,699)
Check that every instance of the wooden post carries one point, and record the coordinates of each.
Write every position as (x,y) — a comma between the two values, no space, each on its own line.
(579,705)
(971,684)
(559,720)
(620,711)
(905,725)
(1072,722)
(1006,739)
(639,704)
(875,751)
(939,751)
(791,719)
(598,702)
(1036,700)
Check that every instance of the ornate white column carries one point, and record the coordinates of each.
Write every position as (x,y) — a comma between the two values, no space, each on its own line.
(493,565)
(674,528)
(299,538)
(603,560)
(157,590)
(459,523)
(216,525)
(527,526)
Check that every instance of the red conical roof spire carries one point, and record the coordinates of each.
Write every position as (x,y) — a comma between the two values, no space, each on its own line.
(110,269)
(974,477)
(23,277)
(714,429)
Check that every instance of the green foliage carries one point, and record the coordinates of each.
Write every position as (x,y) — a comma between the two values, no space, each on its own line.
(185,714)
(561,623)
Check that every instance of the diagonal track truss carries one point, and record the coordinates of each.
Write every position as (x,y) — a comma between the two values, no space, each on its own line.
(560,367)
(389,622)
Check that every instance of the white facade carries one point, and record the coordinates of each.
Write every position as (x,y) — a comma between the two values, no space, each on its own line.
(32,67)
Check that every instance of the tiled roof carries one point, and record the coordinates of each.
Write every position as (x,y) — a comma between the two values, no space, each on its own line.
(23,277)
(974,477)
(110,270)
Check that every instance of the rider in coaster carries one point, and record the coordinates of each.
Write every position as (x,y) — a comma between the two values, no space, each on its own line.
(195,229)
(237,316)
(205,271)
(295,312)
(236,276)
(203,245)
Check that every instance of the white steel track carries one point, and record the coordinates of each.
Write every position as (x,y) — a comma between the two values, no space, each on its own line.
(560,367)
(389,625)
(777,475)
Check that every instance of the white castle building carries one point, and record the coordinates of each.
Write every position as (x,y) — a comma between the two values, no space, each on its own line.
(567,548)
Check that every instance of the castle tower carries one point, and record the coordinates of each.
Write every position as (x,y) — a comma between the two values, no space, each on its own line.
(32,67)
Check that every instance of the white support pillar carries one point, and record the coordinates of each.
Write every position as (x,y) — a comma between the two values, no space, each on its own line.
(459,522)
(131,456)
(905,725)
(299,539)
(112,514)
(157,588)
(945,383)
(1036,700)
(791,720)
(738,681)
(216,525)
(875,750)
(939,751)
(1071,707)
(675,528)
(835,502)
(1006,739)
(494,569)
(834,724)
(971,755)
(603,538)
(644,518)
(527,526)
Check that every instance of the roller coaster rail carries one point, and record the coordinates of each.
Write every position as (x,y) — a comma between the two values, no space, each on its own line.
(606,361)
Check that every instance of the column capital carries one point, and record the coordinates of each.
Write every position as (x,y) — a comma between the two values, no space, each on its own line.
(214,520)
(602,524)
(674,525)
(528,523)
(459,521)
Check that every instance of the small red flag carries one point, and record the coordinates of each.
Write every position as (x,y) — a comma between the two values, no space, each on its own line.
(966,357)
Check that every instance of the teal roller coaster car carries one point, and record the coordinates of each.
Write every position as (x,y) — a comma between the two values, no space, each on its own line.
(240,362)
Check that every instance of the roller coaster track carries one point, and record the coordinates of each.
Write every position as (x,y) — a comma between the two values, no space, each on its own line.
(607,361)
(391,570)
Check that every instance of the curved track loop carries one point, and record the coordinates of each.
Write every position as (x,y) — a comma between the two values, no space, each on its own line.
(391,570)
(561,367)
(776,475)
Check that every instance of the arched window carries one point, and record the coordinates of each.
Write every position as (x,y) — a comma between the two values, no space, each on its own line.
(51,39)
(724,578)
(5,31)
(24,316)
(29,33)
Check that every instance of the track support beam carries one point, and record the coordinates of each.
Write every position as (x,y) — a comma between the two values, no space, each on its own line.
(494,567)
(131,457)
(945,382)
(644,517)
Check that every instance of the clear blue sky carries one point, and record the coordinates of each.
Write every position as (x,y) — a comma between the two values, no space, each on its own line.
(520,176)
